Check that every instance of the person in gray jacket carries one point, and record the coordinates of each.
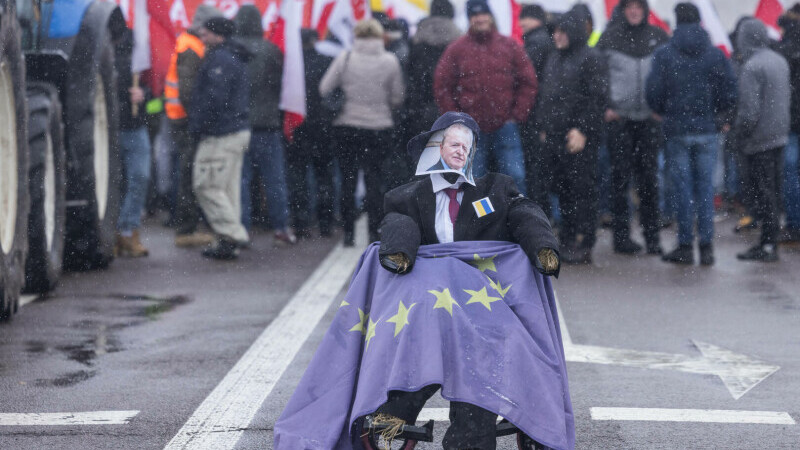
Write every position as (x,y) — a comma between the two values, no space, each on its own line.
(266,158)
(634,133)
(761,129)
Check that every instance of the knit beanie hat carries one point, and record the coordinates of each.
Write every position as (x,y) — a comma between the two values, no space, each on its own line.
(686,13)
(220,26)
(475,7)
(442,8)
(534,12)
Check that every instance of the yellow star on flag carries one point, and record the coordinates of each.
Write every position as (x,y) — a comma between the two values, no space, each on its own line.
(362,319)
(343,304)
(498,287)
(400,319)
(481,297)
(370,332)
(484,264)
(444,300)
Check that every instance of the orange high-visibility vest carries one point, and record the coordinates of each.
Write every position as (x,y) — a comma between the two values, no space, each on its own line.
(172,105)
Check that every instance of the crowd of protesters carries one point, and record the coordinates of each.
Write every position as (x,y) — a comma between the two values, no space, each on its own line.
(596,128)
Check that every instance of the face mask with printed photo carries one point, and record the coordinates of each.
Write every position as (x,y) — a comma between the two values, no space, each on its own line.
(451,154)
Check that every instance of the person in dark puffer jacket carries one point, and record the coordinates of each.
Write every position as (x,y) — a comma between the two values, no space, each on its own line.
(569,117)
(265,157)
(634,135)
(219,121)
(690,83)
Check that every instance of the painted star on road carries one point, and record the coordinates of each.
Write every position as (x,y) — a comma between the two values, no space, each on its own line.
(400,319)
(362,319)
(444,300)
(484,264)
(498,287)
(481,297)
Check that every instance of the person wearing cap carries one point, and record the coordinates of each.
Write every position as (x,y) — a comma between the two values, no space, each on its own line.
(634,134)
(183,67)
(219,121)
(569,118)
(690,82)
(438,208)
(489,76)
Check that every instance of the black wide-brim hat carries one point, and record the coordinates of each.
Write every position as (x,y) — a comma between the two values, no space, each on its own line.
(417,144)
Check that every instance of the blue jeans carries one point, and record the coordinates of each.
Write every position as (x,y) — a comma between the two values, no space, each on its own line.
(135,155)
(506,148)
(791,183)
(266,159)
(692,160)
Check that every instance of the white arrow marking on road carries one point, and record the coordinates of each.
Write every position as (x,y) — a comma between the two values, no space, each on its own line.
(693,415)
(73,418)
(740,373)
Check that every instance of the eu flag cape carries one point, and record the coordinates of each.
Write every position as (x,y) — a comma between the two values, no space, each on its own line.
(473,317)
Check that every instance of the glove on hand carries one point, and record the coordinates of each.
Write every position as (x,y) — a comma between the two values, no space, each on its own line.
(549,260)
(401,261)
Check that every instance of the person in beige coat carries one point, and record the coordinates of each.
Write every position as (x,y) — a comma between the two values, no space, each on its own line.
(373,85)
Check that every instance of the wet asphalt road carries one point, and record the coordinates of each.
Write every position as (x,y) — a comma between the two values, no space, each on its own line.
(157,335)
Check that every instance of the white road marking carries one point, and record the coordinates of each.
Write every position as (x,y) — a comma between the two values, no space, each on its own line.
(221,419)
(693,415)
(24,299)
(740,373)
(67,418)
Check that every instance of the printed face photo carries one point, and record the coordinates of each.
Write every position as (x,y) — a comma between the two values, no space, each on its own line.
(455,148)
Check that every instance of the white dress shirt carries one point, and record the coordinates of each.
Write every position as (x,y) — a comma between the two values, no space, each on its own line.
(444,226)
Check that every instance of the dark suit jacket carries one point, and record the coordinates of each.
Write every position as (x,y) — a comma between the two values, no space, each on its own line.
(411,209)
(437,166)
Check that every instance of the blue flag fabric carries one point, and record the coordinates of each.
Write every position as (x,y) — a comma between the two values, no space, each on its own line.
(474,317)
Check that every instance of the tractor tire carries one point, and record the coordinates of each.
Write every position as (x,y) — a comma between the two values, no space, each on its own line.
(47,187)
(94,172)
(13,162)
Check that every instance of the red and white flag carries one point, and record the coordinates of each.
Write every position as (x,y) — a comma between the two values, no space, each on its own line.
(713,26)
(768,12)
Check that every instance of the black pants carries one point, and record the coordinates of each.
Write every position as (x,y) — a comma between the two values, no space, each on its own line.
(764,170)
(470,426)
(633,148)
(572,177)
(362,149)
(312,147)
(187,210)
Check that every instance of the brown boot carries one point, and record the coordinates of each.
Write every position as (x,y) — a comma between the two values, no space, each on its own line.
(196,239)
(130,247)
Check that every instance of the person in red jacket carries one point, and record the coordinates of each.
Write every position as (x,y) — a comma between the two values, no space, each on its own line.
(489,77)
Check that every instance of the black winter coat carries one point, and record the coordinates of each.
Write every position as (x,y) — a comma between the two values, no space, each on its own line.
(221,94)
(316,64)
(538,45)
(264,69)
(573,91)
(411,209)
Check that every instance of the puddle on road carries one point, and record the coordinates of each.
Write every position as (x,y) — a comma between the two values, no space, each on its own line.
(772,294)
(99,336)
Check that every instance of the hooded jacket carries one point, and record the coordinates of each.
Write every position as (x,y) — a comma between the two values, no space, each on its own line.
(188,62)
(221,93)
(690,82)
(574,88)
(762,113)
(487,76)
(264,69)
(789,47)
(628,50)
(538,45)
(433,36)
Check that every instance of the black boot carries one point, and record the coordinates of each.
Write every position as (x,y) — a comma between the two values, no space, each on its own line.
(224,250)
(627,247)
(706,254)
(684,254)
(763,253)
(654,248)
